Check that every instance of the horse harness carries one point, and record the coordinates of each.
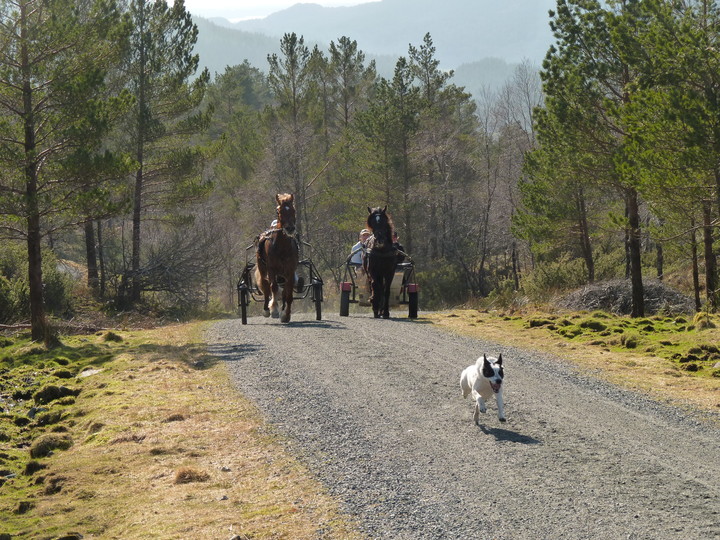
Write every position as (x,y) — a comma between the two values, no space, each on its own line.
(394,250)
(270,233)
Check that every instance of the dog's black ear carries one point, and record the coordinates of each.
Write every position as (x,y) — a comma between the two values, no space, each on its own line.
(499,360)
(485,360)
(487,369)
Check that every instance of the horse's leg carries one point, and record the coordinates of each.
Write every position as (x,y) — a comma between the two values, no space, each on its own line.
(274,311)
(386,297)
(264,286)
(376,297)
(288,290)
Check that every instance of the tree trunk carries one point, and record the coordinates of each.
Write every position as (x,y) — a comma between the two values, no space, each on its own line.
(660,262)
(585,245)
(91,255)
(695,266)
(135,262)
(627,245)
(143,112)
(634,244)
(710,261)
(515,266)
(407,212)
(34,236)
(101,259)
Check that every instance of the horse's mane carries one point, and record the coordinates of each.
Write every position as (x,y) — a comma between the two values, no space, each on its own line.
(391,224)
(284,198)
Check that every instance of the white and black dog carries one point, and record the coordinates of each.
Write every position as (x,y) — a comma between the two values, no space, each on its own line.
(483,379)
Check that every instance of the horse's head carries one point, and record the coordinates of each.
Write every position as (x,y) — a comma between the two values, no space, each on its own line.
(380,223)
(286,212)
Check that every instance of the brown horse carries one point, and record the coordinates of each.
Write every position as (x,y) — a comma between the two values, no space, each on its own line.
(277,259)
(380,260)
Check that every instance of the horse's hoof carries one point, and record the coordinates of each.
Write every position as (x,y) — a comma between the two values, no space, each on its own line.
(386,315)
(275,315)
(266,313)
(285,319)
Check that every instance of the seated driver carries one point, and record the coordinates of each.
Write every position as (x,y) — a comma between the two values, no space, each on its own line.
(356,252)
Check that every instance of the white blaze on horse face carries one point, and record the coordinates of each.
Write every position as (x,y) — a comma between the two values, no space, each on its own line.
(377,219)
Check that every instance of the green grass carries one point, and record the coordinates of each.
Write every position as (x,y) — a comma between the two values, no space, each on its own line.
(688,346)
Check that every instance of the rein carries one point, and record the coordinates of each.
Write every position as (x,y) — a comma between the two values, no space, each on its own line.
(392,252)
(292,236)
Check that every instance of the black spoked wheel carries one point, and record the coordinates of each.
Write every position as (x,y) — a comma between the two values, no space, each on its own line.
(317,297)
(413,305)
(344,303)
(244,303)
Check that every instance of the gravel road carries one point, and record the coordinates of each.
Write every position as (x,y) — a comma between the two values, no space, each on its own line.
(374,408)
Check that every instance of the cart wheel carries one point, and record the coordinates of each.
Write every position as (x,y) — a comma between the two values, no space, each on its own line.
(317,296)
(412,305)
(344,303)
(244,302)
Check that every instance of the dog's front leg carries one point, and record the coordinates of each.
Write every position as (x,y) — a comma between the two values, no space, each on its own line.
(501,406)
(480,407)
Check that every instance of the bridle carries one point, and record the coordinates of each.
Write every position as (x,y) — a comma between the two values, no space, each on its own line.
(290,232)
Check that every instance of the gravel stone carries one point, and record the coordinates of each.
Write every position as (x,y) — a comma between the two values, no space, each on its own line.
(374,409)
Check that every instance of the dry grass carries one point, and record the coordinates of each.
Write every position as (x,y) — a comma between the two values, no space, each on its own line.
(632,369)
(166,449)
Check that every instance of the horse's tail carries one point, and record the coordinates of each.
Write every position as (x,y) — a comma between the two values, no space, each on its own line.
(258,274)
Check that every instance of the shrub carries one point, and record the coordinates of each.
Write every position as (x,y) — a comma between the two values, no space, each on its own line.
(609,265)
(504,296)
(442,286)
(15,291)
(8,308)
(703,321)
(559,275)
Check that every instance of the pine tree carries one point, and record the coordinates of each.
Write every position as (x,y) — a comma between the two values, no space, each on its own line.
(159,68)
(289,78)
(588,83)
(674,132)
(389,125)
(54,112)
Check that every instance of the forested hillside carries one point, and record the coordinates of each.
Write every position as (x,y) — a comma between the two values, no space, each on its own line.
(119,154)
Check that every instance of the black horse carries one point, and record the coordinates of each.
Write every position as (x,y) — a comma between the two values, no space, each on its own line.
(380,260)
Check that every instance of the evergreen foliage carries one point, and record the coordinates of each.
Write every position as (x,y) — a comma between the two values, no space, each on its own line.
(603,165)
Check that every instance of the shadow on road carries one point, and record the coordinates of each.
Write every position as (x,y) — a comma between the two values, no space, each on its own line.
(233,351)
(509,436)
(329,325)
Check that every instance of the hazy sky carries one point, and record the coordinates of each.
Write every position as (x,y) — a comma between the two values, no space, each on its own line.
(246,9)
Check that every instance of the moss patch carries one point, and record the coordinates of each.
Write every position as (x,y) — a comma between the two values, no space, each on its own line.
(663,356)
(160,432)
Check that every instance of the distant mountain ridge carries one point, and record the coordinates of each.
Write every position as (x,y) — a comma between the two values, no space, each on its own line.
(463,30)
(481,39)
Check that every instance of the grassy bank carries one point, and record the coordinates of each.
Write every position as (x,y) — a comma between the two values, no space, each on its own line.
(140,435)
(671,359)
